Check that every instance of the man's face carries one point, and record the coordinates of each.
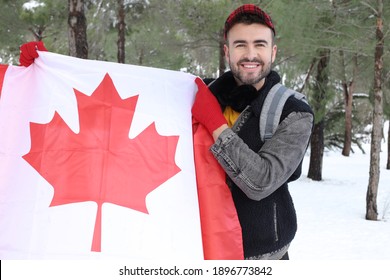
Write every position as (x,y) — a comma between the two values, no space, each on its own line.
(250,53)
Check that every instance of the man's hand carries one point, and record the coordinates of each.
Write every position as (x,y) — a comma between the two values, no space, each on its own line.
(207,110)
(28,52)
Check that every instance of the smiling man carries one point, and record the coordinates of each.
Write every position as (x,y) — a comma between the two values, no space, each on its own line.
(250,52)
(257,171)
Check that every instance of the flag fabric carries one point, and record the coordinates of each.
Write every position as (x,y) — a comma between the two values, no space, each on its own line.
(97,161)
(221,230)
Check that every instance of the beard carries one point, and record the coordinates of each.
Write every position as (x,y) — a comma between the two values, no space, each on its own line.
(246,79)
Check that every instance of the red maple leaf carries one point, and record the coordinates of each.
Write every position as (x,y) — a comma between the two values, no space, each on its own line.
(101,163)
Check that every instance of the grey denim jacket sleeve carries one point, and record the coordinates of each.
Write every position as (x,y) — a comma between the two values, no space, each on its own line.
(259,174)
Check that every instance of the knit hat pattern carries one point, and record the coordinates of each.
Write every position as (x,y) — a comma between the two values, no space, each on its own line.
(249,9)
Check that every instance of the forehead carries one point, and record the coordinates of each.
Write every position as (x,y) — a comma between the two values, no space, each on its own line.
(249,32)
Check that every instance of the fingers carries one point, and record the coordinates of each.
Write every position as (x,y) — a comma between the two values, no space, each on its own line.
(40,46)
(31,49)
(28,52)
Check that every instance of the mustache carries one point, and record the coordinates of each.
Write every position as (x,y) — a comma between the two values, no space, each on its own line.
(251,61)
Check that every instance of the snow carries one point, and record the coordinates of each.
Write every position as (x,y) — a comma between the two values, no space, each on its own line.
(331,212)
(32,4)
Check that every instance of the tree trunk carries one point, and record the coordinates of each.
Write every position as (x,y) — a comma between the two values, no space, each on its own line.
(388,148)
(78,45)
(348,88)
(222,61)
(38,32)
(376,135)
(121,31)
(308,75)
(141,56)
(316,151)
(348,123)
(317,139)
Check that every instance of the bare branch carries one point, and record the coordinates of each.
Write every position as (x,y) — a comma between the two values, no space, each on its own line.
(369,6)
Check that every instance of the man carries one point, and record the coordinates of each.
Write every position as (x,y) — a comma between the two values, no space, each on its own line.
(257,172)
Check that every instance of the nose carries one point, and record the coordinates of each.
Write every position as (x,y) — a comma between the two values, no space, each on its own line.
(251,52)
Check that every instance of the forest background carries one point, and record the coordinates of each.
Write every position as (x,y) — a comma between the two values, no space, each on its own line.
(333,51)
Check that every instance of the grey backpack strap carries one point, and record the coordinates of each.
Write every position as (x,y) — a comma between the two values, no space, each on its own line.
(273,107)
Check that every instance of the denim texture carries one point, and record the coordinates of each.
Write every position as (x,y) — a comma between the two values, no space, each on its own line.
(260,174)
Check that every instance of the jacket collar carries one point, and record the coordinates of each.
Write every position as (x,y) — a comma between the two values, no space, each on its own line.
(228,93)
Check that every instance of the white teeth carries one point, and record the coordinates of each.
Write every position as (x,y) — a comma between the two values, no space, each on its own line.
(250,66)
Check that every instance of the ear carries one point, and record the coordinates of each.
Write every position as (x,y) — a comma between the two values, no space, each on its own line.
(226,51)
(274,51)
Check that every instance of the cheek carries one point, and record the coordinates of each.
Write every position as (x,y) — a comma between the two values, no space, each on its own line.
(229,58)
(232,56)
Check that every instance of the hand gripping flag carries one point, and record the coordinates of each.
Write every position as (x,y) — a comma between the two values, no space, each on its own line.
(97,161)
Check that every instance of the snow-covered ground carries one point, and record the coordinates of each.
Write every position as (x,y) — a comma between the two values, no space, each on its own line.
(331,213)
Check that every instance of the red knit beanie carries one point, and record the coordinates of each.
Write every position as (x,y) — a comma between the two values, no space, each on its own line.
(246,9)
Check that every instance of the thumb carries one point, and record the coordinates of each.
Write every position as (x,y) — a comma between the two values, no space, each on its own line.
(201,85)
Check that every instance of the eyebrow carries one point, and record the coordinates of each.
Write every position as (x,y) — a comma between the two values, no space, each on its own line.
(256,41)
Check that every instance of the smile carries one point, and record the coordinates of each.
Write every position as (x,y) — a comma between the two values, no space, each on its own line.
(249,65)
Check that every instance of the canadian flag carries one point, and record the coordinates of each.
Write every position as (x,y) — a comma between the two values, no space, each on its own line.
(102,160)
